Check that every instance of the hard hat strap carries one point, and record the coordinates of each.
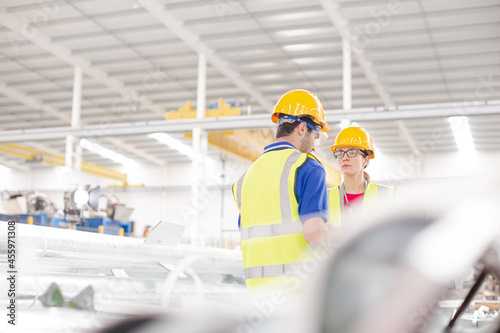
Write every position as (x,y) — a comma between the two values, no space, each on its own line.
(292,119)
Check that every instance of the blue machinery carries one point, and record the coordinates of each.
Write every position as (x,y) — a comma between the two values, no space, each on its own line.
(103,225)
(32,210)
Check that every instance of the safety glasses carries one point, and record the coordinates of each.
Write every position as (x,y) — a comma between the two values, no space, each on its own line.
(320,135)
(350,153)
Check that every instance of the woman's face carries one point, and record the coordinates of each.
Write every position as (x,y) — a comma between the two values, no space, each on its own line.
(351,165)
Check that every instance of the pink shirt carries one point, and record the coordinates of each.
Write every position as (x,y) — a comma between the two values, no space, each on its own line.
(352,198)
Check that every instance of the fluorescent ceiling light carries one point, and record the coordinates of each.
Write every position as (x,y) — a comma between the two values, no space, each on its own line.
(262,64)
(174,144)
(293,33)
(244,52)
(104,152)
(278,86)
(300,32)
(301,47)
(177,145)
(305,61)
(296,16)
(271,76)
(461,131)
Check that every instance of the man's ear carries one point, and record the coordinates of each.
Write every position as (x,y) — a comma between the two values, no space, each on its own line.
(302,128)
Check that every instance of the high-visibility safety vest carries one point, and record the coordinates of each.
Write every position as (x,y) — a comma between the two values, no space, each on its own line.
(272,235)
(375,196)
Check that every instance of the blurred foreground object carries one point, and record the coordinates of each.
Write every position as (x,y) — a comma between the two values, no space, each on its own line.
(64,275)
(391,275)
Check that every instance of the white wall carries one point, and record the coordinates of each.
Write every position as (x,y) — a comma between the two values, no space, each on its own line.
(174,203)
(214,213)
(390,169)
(166,194)
(12,179)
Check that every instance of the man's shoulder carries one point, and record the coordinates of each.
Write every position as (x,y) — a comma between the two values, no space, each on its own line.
(311,168)
(312,162)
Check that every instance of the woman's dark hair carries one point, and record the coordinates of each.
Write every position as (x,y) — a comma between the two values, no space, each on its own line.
(364,153)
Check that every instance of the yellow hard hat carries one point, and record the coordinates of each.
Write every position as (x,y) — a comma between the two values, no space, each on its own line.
(355,137)
(298,103)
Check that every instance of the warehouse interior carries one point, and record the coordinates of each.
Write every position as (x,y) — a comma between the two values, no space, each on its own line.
(154,108)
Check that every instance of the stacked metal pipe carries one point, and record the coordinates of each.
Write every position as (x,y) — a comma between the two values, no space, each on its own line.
(121,270)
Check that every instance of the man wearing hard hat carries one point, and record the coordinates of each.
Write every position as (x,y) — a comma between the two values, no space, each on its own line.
(282,198)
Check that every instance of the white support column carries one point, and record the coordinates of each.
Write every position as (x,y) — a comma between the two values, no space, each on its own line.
(178,27)
(76,112)
(68,162)
(199,137)
(195,185)
(201,107)
(201,99)
(75,123)
(342,25)
(347,75)
(77,97)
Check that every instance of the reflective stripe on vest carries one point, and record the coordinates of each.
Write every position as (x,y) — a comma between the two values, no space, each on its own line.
(273,270)
(287,228)
(271,232)
(375,196)
(287,225)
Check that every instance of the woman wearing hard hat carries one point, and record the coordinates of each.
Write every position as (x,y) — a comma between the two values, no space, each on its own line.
(356,196)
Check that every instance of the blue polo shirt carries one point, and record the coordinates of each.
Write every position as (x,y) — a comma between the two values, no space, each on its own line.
(310,186)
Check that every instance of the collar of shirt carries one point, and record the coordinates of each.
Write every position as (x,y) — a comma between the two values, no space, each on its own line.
(278,145)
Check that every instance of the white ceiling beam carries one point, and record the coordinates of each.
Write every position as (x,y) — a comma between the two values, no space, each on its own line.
(236,34)
(65,54)
(177,26)
(99,75)
(44,148)
(121,30)
(252,122)
(135,151)
(25,99)
(22,98)
(246,16)
(341,24)
(405,132)
(114,141)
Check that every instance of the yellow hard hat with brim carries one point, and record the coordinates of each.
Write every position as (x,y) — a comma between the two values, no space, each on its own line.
(299,103)
(354,137)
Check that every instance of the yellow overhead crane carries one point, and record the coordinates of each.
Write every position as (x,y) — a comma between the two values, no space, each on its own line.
(187,112)
(33,155)
(248,144)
